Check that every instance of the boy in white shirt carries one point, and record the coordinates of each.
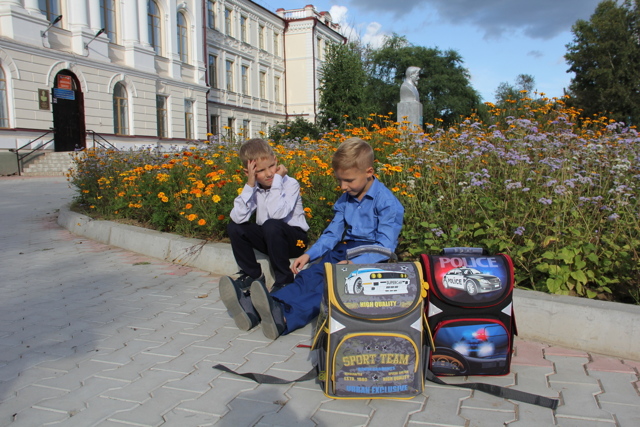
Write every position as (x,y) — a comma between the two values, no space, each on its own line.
(280,227)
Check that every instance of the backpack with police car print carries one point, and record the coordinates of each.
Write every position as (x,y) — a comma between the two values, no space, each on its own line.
(470,311)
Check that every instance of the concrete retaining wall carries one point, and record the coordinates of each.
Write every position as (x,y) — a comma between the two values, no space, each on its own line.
(595,326)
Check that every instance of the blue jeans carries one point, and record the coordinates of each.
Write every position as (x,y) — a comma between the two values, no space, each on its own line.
(301,299)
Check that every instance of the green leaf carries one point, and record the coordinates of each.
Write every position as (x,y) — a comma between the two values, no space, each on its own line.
(579,276)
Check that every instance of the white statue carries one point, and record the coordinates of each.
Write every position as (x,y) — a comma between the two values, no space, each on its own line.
(409,88)
(409,107)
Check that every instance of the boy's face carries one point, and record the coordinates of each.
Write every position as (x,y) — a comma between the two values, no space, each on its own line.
(355,181)
(264,170)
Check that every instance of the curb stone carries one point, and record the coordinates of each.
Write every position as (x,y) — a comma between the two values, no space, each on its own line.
(601,327)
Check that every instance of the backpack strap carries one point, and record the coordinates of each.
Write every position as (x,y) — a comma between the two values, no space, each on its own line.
(268,379)
(504,392)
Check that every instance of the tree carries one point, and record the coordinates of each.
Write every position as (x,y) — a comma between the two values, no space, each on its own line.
(444,87)
(605,57)
(343,86)
(525,85)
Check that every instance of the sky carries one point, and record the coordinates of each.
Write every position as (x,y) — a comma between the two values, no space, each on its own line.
(497,39)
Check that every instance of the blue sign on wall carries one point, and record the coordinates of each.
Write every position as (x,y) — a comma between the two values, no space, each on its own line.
(64,93)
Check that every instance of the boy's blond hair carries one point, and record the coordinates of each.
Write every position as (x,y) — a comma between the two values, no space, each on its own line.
(255,149)
(353,153)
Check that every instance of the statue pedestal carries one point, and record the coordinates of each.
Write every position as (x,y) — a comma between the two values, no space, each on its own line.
(412,110)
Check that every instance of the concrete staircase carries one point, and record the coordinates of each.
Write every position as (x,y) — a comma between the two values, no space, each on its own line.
(49,164)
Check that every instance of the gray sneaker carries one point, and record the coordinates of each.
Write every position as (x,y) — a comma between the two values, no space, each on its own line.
(269,310)
(244,281)
(238,304)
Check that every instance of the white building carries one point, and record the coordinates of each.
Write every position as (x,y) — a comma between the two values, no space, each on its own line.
(162,71)
(263,67)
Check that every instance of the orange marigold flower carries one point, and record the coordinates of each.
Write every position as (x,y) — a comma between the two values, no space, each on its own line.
(192,217)
(202,222)
(188,206)
(216,198)
(220,217)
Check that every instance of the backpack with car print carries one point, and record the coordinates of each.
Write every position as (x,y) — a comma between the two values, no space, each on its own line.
(470,311)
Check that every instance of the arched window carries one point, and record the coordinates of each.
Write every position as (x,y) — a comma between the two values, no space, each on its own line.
(50,8)
(120,110)
(108,18)
(153,22)
(4,108)
(183,38)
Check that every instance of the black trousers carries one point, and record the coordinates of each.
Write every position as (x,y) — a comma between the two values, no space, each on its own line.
(275,238)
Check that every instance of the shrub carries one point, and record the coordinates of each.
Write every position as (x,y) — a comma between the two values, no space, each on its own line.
(557,193)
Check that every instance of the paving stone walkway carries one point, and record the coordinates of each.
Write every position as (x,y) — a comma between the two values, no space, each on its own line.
(93,335)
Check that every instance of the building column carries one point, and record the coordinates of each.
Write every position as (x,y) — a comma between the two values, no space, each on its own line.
(130,22)
(31,5)
(142,23)
(94,15)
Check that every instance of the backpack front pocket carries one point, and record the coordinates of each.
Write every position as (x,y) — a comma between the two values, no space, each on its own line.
(376,365)
(471,347)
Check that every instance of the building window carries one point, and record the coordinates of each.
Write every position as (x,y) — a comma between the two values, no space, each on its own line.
(188,119)
(153,22)
(4,108)
(276,89)
(243,28)
(108,18)
(161,115)
(245,128)
(263,84)
(231,124)
(245,80)
(227,22)
(276,44)
(183,39)
(319,48)
(211,14)
(50,9)
(214,121)
(229,65)
(120,110)
(213,71)
(264,128)
(261,37)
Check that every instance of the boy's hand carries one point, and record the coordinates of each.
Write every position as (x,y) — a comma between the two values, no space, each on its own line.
(281,170)
(345,261)
(251,173)
(299,263)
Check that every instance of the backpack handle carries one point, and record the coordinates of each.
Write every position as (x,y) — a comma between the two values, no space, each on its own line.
(465,251)
(359,250)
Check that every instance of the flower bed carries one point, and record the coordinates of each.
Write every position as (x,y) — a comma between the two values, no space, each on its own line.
(557,192)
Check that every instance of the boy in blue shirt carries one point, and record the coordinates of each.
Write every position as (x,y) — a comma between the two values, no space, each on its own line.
(366,214)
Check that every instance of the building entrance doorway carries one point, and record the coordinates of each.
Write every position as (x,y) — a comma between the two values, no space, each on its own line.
(68,113)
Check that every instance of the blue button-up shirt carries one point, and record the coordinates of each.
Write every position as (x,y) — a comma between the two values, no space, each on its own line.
(374,220)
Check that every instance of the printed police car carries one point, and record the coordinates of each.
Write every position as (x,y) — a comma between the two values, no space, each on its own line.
(471,280)
(375,281)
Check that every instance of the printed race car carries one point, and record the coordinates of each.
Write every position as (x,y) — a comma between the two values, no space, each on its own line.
(471,280)
(375,281)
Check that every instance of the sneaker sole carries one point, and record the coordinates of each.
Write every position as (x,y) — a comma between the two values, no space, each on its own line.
(261,304)
(229,298)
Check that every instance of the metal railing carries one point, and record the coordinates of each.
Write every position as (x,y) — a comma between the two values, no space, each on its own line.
(100,141)
(20,157)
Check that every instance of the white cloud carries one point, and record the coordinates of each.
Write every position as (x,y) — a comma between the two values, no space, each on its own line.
(541,19)
(370,34)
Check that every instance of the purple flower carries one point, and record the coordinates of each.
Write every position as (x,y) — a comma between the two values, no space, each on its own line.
(545,201)
(519,231)
(613,217)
